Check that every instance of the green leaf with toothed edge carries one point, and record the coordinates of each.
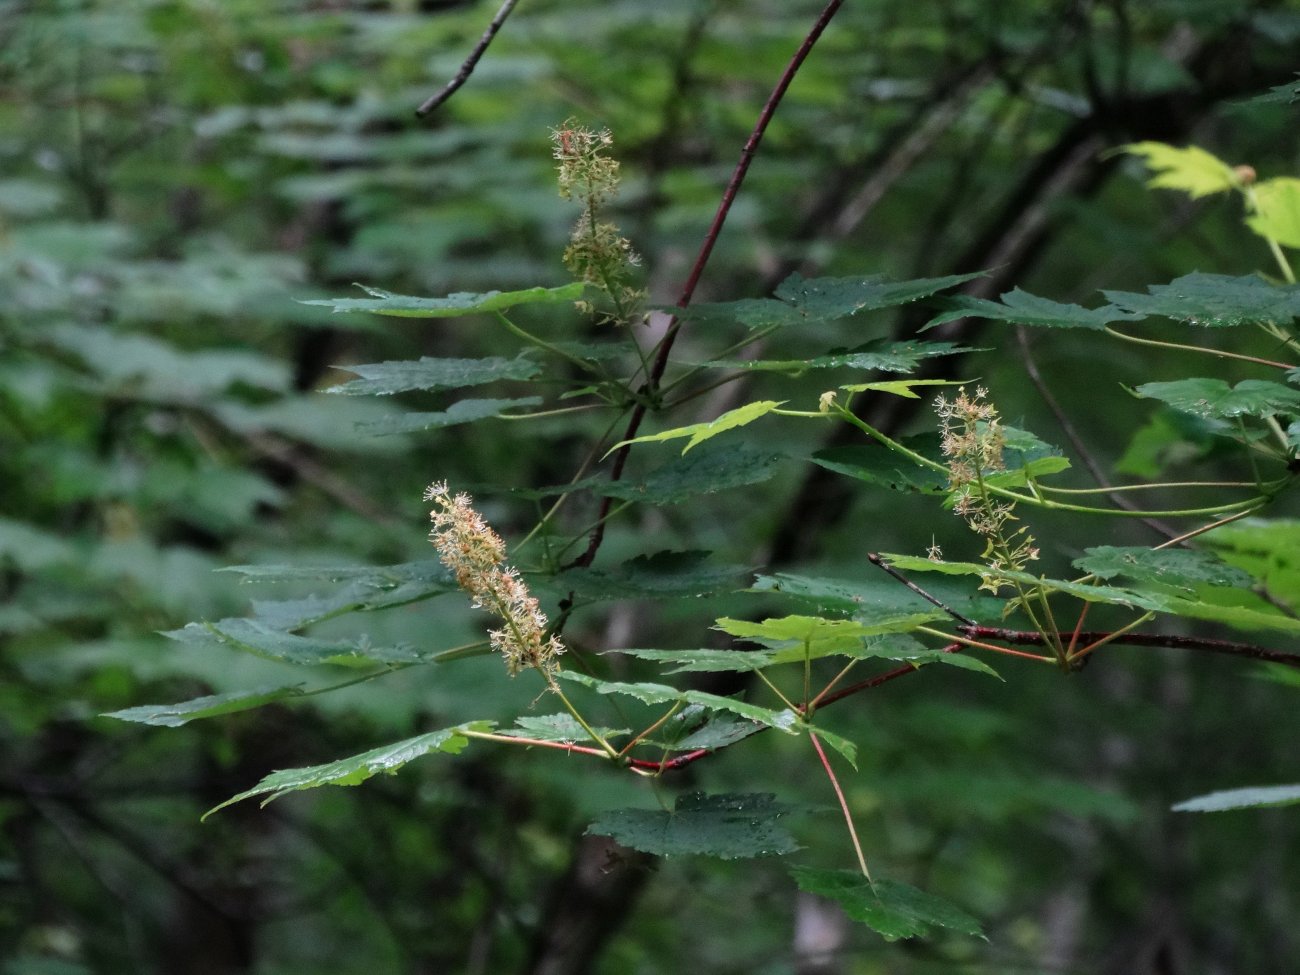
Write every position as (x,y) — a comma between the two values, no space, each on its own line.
(1215,399)
(560,727)
(893,910)
(1277,211)
(880,355)
(784,720)
(729,826)
(386,378)
(210,706)
(1174,567)
(801,301)
(1214,300)
(700,432)
(1192,170)
(452,306)
(358,768)
(663,575)
(1021,308)
(462,411)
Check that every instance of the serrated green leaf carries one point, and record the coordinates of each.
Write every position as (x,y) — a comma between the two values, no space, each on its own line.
(1215,399)
(1277,211)
(427,572)
(1244,617)
(881,355)
(718,730)
(821,636)
(462,411)
(877,464)
(705,472)
(386,378)
(461,303)
(838,742)
(1192,170)
(1021,308)
(1175,567)
(801,301)
(729,826)
(664,575)
(358,768)
(891,909)
(556,727)
(785,720)
(1287,94)
(705,661)
(262,640)
(175,715)
(700,432)
(1262,795)
(1214,300)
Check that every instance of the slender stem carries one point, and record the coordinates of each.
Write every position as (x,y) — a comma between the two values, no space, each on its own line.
(532,742)
(1217,353)
(777,691)
(606,747)
(702,260)
(467,67)
(1149,487)
(844,805)
(1110,637)
(812,705)
(586,366)
(967,641)
(875,559)
(650,730)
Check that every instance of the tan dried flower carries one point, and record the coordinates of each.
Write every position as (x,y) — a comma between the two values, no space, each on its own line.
(469,547)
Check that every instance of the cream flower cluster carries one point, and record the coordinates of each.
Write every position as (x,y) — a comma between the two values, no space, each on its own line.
(469,547)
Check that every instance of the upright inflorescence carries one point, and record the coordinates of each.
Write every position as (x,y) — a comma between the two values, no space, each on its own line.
(476,555)
(973,441)
(597,254)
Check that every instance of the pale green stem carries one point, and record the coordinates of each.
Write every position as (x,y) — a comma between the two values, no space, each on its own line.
(1217,353)
(777,691)
(966,641)
(650,730)
(591,367)
(1109,637)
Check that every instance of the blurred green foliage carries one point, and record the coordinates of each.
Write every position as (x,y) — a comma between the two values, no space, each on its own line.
(178,179)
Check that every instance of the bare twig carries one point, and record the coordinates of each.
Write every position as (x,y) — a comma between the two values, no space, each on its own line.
(880,563)
(1144,640)
(467,67)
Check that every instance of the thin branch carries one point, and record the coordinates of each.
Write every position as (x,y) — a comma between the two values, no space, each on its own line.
(880,563)
(467,67)
(702,260)
(1144,640)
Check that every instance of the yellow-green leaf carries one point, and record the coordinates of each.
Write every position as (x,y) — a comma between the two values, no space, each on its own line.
(1277,211)
(1193,170)
(700,432)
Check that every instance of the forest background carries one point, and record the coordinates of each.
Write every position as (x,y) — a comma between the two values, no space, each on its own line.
(179,176)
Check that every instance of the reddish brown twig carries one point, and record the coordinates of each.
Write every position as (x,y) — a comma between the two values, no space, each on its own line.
(1141,640)
(702,260)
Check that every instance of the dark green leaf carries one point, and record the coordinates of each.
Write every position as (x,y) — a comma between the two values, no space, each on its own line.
(800,301)
(662,694)
(700,432)
(461,303)
(1175,567)
(706,661)
(700,473)
(1287,94)
(1215,399)
(1262,795)
(882,355)
(1021,308)
(1214,300)
(728,826)
(385,378)
(664,575)
(358,768)
(556,727)
(891,909)
(175,715)
(262,640)
(462,411)
(877,464)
